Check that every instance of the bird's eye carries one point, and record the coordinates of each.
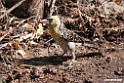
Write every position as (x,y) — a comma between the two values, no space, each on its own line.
(50,20)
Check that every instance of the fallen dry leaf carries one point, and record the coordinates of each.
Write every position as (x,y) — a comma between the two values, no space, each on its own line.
(33,43)
(39,31)
(19,49)
(25,36)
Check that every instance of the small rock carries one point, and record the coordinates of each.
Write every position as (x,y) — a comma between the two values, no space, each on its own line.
(89,80)
(35,72)
(120,71)
(108,59)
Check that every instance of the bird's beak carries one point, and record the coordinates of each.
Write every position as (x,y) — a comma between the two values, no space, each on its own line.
(44,22)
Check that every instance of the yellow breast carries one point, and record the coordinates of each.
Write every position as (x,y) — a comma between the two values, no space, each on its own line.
(54,33)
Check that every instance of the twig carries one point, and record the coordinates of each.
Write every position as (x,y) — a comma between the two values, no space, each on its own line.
(48,41)
(12,8)
(52,7)
(4,36)
(25,20)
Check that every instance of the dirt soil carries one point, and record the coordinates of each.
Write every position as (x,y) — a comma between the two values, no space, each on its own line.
(41,67)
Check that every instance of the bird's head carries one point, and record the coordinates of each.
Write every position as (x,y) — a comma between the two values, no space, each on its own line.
(52,21)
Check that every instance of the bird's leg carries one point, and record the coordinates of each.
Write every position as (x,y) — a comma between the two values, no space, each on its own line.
(73,59)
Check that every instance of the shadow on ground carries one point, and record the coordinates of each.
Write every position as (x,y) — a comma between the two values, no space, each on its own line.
(52,60)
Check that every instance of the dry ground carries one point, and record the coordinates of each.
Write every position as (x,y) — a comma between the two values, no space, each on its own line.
(41,67)
(102,65)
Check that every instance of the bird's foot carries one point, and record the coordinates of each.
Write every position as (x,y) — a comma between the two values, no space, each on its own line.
(71,64)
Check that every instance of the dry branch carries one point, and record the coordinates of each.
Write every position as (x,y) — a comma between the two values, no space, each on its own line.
(52,7)
(12,8)
(1,38)
(37,8)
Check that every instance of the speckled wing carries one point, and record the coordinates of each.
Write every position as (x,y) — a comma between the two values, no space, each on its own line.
(69,35)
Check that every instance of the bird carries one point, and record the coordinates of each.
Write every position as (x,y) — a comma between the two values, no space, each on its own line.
(67,39)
